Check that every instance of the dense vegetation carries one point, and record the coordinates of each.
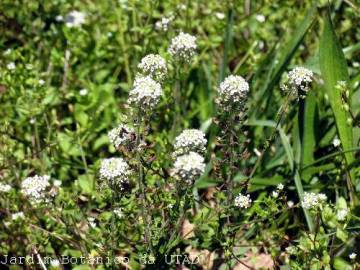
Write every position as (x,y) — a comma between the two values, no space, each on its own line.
(167,134)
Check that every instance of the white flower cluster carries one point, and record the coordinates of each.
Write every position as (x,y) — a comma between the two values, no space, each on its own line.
(116,171)
(232,93)
(243,201)
(188,167)
(154,66)
(163,24)
(190,140)
(341,214)
(75,19)
(183,47)
(145,94)
(300,78)
(118,212)
(276,192)
(122,135)
(36,188)
(313,200)
(18,215)
(5,188)
(11,66)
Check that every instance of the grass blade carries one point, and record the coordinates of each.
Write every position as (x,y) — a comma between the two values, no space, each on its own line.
(334,69)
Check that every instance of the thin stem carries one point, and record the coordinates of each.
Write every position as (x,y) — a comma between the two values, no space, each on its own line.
(112,230)
(228,182)
(280,116)
(141,183)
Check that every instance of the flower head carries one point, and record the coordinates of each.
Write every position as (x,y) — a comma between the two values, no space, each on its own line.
(275,194)
(11,66)
(341,214)
(75,19)
(352,256)
(232,93)
(4,188)
(300,78)
(336,142)
(145,94)
(313,200)
(243,201)
(116,172)
(122,135)
(163,24)
(190,140)
(153,65)
(183,47)
(83,92)
(188,167)
(37,188)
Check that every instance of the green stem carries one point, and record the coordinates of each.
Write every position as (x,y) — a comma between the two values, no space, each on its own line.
(141,184)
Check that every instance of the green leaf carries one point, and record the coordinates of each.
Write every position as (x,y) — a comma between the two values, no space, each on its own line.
(86,183)
(334,69)
(287,146)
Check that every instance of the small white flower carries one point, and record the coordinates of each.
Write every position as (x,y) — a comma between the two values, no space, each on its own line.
(7,52)
(336,142)
(145,94)
(275,194)
(243,201)
(163,24)
(290,204)
(92,222)
(75,19)
(182,6)
(313,200)
(32,120)
(341,214)
(188,167)
(232,93)
(116,171)
(83,92)
(59,18)
(119,212)
(260,18)
(11,66)
(280,186)
(57,183)
(183,47)
(220,15)
(170,206)
(322,197)
(36,188)
(5,188)
(122,135)
(352,256)
(300,78)
(41,82)
(153,65)
(18,215)
(190,140)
